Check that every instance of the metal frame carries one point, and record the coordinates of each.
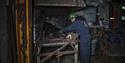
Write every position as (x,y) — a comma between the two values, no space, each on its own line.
(58,52)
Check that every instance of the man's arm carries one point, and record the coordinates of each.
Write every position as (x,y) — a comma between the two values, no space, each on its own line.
(70,28)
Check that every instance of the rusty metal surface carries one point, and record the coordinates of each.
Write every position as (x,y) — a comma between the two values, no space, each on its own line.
(69,3)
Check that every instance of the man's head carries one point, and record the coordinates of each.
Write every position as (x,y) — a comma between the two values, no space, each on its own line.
(72,17)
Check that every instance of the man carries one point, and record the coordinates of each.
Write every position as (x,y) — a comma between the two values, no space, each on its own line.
(78,26)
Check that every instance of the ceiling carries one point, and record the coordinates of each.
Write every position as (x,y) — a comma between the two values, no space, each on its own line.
(68,3)
(56,11)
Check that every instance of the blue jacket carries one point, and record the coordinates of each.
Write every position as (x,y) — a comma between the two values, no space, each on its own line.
(79,28)
(85,44)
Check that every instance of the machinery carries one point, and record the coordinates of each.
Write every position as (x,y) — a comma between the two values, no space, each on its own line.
(50,45)
(37,30)
(29,30)
(56,48)
(37,24)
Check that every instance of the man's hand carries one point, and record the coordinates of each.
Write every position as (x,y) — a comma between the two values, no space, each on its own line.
(72,36)
(69,36)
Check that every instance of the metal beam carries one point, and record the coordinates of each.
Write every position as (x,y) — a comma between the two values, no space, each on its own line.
(61,53)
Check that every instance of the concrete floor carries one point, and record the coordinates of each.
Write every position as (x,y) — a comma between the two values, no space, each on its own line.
(109,60)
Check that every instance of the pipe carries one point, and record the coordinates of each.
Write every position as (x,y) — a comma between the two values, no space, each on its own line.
(54,44)
(51,54)
(61,53)
(76,54)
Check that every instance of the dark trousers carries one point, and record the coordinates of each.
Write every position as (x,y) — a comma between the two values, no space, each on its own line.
(85,49)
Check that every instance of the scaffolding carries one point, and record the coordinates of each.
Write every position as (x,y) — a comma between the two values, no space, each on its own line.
(60,44)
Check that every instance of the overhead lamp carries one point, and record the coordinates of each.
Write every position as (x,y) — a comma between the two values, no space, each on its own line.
(123,7)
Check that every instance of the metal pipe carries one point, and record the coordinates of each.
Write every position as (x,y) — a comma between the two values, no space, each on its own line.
(51,54)
(54,44)
(76,54)
(34,33)
(61,53)
(58,58)
(38,58)
(56,39)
